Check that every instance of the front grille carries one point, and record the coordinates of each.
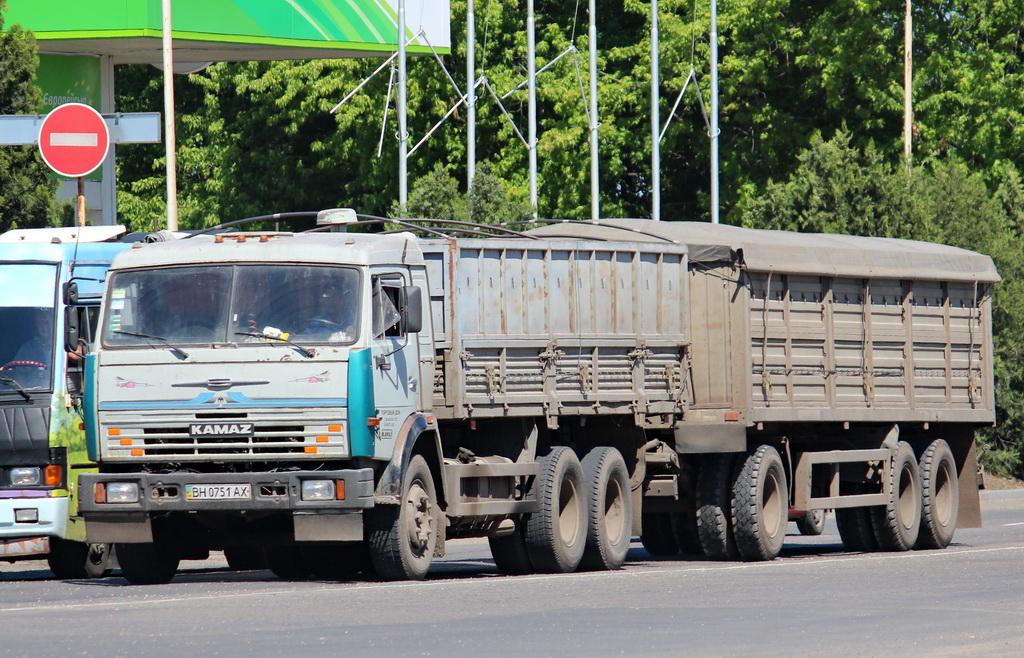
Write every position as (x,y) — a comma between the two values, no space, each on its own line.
(274,436)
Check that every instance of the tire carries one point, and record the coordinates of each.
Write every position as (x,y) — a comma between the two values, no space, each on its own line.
(245,558)
(760,505)
(609,510)
(940,496)
(812,523)
(147,564)
(714,506)
(684,529)
(75,560)
(656,534)
(403,537)
(898,524)
(556,534)
(285,561)
(510,554)
(335,560)
(854,524)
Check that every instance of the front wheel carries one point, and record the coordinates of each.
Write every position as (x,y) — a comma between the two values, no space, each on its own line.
(403,538)
(76,560)
(147,564)
(760,505)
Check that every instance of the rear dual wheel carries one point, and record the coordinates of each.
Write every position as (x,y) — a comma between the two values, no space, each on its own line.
(897,524)
(940,496)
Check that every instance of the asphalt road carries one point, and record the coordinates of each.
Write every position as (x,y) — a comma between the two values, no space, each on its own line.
(815,599)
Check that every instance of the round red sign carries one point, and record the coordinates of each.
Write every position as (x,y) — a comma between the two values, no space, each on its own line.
(74,140)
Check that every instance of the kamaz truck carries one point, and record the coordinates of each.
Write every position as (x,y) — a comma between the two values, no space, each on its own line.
(51,282)
(348,402)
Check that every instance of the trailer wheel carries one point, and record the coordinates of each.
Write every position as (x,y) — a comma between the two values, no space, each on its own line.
(940,495)
(286,562)
(77,560)
(147,564)
(403,537)
(898,524)
(714,502)
(812,523)
(760,505)
(509,552)
(556,534)
(684,529)
(610,510)
(854,524)
(656,534)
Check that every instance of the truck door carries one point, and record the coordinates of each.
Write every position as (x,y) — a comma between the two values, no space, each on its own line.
(395,360)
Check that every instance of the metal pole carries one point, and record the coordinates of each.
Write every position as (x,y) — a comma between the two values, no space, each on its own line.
(172,161)
(908,110)
(470,94)
(595,186)
(655,117)
(531,86)
(403,135)
(713,37)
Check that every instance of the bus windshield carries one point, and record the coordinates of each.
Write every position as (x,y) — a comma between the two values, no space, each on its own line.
(27,320)
(231,303)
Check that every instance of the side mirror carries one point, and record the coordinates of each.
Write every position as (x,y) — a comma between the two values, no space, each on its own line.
(410,307)
(72,329)
(70,293)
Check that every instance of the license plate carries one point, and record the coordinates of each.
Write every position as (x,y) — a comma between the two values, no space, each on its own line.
(218,491)
(220,429)
(35,546)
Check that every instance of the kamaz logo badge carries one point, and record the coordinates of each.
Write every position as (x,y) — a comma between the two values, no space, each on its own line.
(221,429)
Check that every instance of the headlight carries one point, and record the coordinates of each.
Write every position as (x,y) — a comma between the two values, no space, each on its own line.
(122,492)
(318,490)
(26,476)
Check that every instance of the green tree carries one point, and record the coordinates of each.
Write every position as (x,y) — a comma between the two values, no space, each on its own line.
(27,194)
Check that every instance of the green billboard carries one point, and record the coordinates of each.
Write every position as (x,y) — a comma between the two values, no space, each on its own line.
(232,30)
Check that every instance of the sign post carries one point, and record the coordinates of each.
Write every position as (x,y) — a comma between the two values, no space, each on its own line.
(74,141)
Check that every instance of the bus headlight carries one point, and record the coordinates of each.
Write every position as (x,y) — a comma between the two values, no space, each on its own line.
(26,476)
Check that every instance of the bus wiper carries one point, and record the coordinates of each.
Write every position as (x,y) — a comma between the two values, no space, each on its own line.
(16,386)
(176,350)
(271,338)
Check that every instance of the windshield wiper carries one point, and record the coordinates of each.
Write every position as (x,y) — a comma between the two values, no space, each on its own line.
(276,339)
(16,386)
(176,350)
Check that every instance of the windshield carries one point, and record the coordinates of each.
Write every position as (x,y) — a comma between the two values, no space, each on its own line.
(232,303)
(27,319)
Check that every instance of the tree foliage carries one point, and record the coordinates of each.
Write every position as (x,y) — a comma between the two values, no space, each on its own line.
(811,103)
(27,194)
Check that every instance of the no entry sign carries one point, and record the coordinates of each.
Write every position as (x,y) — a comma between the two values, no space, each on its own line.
(74,140)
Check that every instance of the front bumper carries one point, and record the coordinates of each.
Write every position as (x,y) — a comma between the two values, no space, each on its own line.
(52,517)
(320,520)
(276,492)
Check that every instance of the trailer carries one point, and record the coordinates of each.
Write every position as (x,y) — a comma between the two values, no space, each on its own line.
(51,281)
(847,361)
(343,402)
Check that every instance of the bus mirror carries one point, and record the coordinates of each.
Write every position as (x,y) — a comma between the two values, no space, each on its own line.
(72,329)
(410,306)
(70,293)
